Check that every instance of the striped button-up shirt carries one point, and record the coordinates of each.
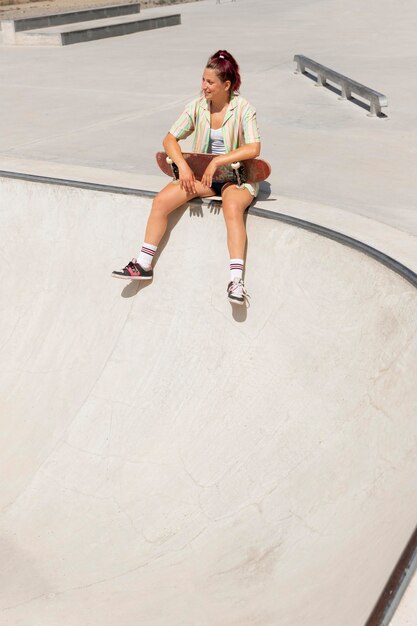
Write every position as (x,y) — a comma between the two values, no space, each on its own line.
(239,124)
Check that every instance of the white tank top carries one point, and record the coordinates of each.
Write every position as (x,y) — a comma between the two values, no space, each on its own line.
(216,145)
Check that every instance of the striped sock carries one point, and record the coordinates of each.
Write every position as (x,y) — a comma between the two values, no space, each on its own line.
(146,255)
(236,268)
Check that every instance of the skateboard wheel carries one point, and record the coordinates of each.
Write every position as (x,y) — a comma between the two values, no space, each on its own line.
(169,160)
(235,166)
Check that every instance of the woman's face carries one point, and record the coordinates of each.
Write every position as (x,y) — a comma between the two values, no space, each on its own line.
(212,87)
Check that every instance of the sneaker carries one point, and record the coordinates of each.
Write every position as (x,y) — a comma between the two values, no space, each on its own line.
(236,291)
(134,271)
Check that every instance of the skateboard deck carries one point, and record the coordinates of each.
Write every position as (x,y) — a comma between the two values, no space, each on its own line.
(249,170)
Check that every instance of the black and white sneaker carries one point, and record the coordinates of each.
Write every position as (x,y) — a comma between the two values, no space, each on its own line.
(236,292)
(134,271)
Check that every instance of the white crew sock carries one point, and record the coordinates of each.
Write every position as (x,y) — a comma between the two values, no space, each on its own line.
(236,268)
(146,255)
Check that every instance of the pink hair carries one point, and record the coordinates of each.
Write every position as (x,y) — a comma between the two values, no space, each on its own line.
(226,67)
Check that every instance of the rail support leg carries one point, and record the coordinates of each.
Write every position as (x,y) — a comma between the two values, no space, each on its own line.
(375,109)
(346,93)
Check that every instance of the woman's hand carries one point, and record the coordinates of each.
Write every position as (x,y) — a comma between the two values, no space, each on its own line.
(207,178)
(187,178)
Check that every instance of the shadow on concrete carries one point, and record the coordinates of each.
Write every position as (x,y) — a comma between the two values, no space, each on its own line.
(134,287)
(264,191)
(336,90)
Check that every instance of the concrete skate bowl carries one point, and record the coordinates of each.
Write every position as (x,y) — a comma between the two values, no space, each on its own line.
(168,460)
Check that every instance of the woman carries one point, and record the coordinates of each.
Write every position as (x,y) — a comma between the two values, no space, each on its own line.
(224,124)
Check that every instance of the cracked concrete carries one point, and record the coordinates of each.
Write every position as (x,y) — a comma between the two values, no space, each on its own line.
(189,470)
(151,436)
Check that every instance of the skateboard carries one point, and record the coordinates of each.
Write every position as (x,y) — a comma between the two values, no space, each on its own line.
(249,170)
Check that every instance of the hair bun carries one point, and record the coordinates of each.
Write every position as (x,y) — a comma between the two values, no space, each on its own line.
(226,67)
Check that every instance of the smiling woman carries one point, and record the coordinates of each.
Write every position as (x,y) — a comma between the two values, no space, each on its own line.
(224,124)
(226,69)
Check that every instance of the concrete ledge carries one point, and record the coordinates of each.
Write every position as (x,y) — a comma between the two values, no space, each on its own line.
(89,31)
(116,30)
(392,248)
(345,240)
(396,587)
(71,17)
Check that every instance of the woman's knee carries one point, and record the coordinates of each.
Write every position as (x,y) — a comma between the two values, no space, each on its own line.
(233,212)
(160,206)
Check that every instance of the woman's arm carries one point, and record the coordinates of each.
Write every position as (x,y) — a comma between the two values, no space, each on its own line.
(186,174)
(248,151)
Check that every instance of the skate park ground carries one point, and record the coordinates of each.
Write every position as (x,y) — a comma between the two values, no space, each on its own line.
(171,460)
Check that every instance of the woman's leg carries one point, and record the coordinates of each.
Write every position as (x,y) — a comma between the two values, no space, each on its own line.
(168,200)
(235,202)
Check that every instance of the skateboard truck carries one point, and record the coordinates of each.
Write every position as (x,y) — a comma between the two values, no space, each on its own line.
(174,168)
(239,174)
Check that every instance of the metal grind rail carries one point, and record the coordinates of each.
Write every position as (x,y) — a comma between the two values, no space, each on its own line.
(347,85)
